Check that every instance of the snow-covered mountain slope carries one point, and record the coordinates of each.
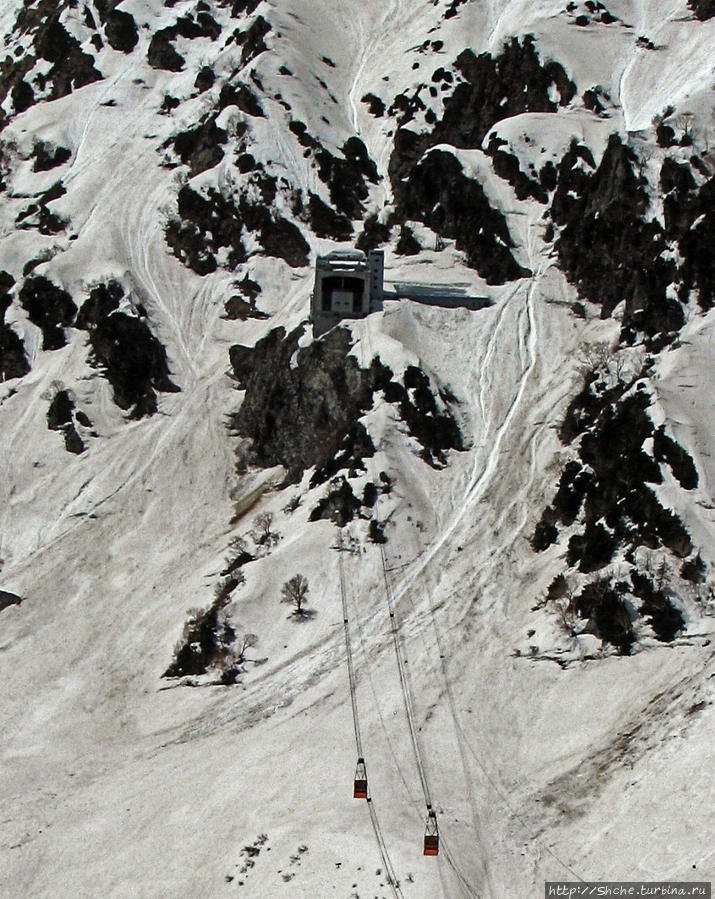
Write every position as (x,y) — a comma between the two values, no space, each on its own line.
(504,516)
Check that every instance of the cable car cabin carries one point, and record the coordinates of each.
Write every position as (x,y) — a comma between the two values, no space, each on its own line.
(360,786)
(431,835)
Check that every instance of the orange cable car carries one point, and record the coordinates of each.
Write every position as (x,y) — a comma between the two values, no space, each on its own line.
(431,835)
(360,787)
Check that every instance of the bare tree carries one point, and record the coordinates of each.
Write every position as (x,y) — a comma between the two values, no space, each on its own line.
(262,533)
(295,591)
(246,641)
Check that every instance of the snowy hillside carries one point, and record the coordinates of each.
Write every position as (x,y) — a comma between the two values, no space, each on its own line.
(505,516)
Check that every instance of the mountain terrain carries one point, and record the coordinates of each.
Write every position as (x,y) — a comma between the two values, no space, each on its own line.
(474,547)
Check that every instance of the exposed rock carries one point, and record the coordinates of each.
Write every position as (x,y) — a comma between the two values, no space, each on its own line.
(374,234)
(121,31)
(8,599)
(50,308)
(162,53)
(439,194)
(306,414)
(326,222)
(48,157)
(376,106)
(13,362)
(606,212)
(703,9)
(133,360)
(60,417)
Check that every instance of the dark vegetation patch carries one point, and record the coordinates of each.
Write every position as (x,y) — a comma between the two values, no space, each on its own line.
(607,486)
(205,79)
(307,414)
(590,12)
(61,416)
(131,357)
(209,221)
(605,208)
(13,362)
(207,637)
(326,222)
(597,100)
(345,177)
(453,8)
(439,194)
(240,95)
(339,505)
(200,147)
(50,308)
(242,305)
(665,449)
(373,234)
(252,41)
(490,89)
(607,614)
(407,243)
(162,54)
(665,619)
(240,7)
(690,224)
(606,492)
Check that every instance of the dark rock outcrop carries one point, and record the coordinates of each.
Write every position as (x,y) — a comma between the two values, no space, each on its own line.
(48,157)
(8,599)
(121,30)
(606,212)
(50,308)
(703,9)
(13,362)
(61,417)
(439,194)
(207,222)
(132,359)
(306,414)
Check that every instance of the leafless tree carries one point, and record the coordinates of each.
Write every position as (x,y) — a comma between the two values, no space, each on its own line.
(262,533)
(295,592)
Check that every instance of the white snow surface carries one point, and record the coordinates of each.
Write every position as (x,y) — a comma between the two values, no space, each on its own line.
(117,783)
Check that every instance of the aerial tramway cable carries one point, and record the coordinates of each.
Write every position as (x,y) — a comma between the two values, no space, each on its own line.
(374,820)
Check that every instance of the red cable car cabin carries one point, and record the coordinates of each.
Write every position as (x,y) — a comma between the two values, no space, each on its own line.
(360,788)
(431,835)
